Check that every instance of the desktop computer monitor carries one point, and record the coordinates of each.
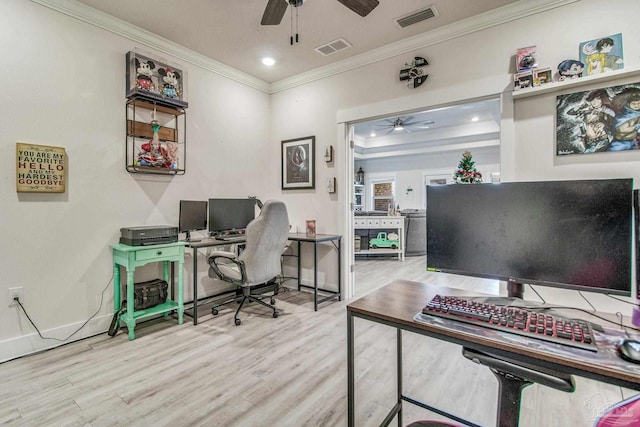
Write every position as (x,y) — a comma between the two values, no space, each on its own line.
(193,217)
(569,234)
(230,216)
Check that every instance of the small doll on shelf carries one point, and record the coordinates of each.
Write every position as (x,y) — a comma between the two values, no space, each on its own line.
(170,87)
(570,69)
(143,76)
(152,153)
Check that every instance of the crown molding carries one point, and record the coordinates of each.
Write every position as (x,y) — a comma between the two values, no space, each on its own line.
(117,26)
(476,23)
(467,26)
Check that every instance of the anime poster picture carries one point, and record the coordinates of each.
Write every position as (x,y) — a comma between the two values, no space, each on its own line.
(599,120)
(602,54)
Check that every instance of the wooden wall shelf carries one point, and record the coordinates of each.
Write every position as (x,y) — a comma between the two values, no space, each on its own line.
(169,159)
(144,130)
(574,83)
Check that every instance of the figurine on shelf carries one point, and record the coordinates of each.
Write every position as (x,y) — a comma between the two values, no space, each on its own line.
(153,153)
(170,78)
(144,73)
(570,69)
(172,151)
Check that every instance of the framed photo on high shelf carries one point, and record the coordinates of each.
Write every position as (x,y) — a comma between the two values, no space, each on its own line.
(298,163)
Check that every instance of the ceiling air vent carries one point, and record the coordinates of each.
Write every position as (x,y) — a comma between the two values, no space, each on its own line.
(333,47)
(417,16)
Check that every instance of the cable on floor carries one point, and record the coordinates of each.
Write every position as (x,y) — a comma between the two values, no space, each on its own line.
(74,332)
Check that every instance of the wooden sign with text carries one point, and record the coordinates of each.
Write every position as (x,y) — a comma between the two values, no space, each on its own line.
(40,168)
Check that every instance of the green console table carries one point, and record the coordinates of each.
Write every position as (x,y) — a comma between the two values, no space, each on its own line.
(131,257)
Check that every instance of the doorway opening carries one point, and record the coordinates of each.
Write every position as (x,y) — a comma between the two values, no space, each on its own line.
(407,151)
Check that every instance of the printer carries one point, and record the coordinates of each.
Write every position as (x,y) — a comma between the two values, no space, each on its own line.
(148,235)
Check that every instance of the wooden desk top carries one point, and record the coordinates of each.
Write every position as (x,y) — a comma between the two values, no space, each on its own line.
(397,303)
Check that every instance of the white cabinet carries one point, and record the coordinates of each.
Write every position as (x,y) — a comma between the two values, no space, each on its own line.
(384,244)
(358,197)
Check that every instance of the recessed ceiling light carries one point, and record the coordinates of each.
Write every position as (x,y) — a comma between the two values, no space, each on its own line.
(372,134)
(268,61)
(474,119)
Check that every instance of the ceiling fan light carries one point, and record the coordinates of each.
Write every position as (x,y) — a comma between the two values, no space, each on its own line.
(398,127)
(269,62)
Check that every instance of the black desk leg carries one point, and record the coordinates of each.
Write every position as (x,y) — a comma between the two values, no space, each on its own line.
(399,373)
(351,418)
(195,286)
(315,276)
(396,411)
(299,266)
(340,269)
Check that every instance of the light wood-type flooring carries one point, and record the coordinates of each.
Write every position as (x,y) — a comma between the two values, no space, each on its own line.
(289,371)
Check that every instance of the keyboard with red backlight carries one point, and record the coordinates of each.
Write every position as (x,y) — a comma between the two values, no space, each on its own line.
(527,322)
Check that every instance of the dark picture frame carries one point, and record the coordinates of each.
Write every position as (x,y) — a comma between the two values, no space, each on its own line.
(154,80)
(298,163)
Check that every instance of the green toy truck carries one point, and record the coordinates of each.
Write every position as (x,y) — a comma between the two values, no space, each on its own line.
(385,241)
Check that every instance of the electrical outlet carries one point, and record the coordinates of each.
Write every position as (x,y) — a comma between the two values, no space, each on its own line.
(16,292)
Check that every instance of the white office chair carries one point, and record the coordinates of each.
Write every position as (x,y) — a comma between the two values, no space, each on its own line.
(256,269)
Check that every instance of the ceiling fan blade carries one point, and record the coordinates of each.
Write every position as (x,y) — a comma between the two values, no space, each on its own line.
(361,7)
(419,123)
(274,12)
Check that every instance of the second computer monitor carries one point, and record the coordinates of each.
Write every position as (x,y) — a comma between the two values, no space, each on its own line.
(230,216)
(193,217)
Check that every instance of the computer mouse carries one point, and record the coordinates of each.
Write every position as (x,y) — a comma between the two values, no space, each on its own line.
(629,350)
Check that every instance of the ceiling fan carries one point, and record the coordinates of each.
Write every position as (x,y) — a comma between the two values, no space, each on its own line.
(274,12)
(404,123)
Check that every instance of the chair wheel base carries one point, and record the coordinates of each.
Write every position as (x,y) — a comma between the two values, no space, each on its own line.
(214,311)
(238,322)
(275,314)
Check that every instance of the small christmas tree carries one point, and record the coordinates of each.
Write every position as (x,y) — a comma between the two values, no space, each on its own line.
(466,172)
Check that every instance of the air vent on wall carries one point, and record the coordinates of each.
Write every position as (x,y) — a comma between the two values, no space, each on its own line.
(333,47)
(417,16)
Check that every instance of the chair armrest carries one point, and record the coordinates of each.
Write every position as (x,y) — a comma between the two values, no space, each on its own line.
(221,258)
(223,254)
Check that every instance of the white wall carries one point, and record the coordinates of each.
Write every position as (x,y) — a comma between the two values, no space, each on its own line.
(64,85)
(409,171)
(469,67)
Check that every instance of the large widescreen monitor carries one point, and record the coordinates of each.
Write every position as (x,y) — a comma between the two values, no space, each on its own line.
(230,216)
(192,217)
(569,234)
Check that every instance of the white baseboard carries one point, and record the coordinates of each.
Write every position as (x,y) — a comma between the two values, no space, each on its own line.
(32,343)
